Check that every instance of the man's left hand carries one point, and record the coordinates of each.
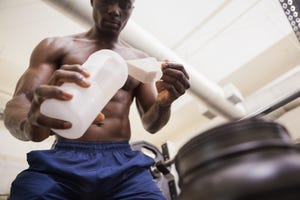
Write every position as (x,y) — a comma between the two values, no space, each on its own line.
(173,83)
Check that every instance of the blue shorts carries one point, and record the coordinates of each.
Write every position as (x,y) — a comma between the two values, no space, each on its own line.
(87,171)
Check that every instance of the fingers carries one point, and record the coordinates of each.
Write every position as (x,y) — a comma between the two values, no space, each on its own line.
(99,119)
(45,121)
(179,85)
(76,68)
(36,118)
(174,82)
(175,75)
(71,74)
(47,91)
(168,65)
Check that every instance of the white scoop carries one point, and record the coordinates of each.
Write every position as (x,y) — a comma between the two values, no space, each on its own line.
(146,70)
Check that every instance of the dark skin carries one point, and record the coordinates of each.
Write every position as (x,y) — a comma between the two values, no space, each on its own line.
(57,60)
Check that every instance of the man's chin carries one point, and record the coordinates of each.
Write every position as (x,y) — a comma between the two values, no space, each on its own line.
(111,34)
(113,31)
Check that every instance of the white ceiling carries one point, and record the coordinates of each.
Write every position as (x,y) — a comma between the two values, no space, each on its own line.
(246,43)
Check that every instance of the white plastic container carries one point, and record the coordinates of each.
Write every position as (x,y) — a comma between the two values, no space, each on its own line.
(108,73)
(146,70)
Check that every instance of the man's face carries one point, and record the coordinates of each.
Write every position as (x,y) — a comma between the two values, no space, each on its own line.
(111,16)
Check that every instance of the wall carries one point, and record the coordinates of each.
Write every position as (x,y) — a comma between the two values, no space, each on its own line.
(13,156)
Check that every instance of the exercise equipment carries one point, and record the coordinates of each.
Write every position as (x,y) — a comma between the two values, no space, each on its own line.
(252,159)
(161,170)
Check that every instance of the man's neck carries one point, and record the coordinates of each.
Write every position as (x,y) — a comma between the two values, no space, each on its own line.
(107,39)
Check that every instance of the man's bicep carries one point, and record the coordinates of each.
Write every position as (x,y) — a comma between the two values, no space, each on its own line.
(42,65)
(32,78)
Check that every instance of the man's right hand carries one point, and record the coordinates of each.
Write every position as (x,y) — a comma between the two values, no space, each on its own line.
(38,125)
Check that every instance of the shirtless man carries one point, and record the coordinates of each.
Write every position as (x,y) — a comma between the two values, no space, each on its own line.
(100,164)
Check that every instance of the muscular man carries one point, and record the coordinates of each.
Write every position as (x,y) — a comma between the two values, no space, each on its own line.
(100,164)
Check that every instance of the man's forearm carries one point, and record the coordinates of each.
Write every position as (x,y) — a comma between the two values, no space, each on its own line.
(156,117)
(15,117)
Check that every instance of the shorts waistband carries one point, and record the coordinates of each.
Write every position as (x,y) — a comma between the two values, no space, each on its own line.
(122,145)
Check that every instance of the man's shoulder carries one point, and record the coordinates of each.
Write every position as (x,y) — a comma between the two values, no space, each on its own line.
(58,44)
(51,48)
(56,40)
